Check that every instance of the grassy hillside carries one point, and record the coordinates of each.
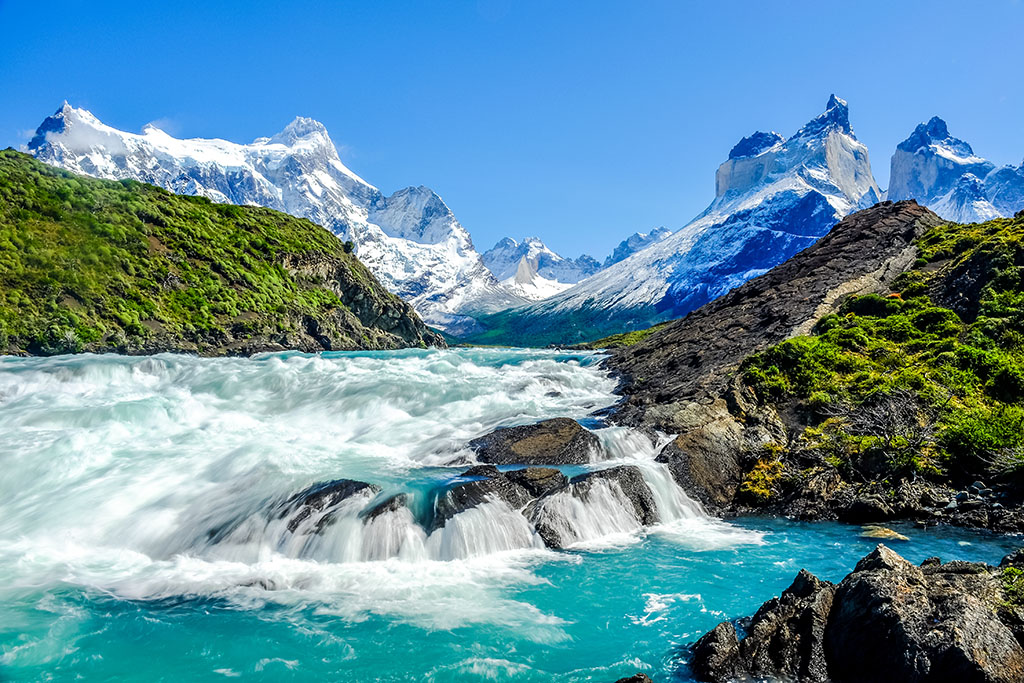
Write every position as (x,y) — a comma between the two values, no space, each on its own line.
(93,265)
(622,340)
(928,380)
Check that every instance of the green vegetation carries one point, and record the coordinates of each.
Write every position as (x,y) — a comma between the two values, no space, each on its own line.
(89,264)
(1013,586)
(618,341)
(899,384)
(760,484)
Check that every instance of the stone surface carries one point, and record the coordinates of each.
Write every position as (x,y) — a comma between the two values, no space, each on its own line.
(887,621)
(560,441)
(538,480)
(320,499)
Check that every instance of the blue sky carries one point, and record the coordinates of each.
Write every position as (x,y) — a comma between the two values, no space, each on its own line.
(577,122)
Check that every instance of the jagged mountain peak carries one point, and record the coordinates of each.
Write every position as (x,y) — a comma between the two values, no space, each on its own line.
(835,117)
(943,173)
(300,127)
(935,133)
(506,261)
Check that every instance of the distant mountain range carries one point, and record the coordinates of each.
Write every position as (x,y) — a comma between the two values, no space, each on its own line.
(410,240)
(532,270)
(774,196)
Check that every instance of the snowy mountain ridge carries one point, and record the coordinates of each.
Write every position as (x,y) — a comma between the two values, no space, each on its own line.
(774,197)
(943,173)
(410,240)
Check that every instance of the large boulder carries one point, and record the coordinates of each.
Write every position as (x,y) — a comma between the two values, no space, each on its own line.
(539,481)
(933,623)
(492,485)
(887,621)
(560,441)
(784,639)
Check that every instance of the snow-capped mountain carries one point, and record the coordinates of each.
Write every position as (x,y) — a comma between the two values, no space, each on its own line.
(532,270)
(410,240)
(943,173)
(774,197)
(634,243)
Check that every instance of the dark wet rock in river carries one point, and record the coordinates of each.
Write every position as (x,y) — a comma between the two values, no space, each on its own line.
(321,499)
(560,441)
(636,678)
(538,480)
(469,495)
(392,504)
(887,621)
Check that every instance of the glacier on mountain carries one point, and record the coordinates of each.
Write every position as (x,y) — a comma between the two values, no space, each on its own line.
(943,173)
(774,197)
(410,240)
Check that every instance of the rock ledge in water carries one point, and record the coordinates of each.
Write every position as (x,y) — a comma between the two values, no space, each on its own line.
(560,441)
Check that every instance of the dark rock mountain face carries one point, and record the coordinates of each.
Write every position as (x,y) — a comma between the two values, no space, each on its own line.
(690,362)
(888,621)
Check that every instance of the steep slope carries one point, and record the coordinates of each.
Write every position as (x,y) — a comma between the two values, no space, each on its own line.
(877,375)
(97,265)
(943,173)
(692,360)
(411,240)
(774,197)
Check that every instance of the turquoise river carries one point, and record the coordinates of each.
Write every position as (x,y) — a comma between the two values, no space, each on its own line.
(138,540)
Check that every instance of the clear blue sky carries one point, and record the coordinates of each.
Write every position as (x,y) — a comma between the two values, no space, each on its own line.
(578,122)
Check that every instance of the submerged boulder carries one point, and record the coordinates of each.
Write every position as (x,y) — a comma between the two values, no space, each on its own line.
(321,499)
(560,441)
(612,500)
(494,485)
(392,504)
(887,621)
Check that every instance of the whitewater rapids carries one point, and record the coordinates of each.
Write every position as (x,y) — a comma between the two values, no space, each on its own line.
(152,477)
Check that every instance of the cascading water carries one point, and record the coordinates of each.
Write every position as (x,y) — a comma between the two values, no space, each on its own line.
(178,501)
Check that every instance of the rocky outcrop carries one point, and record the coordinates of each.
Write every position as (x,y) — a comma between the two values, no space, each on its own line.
(682,379)
(319,501)
(691,361)
(784,639)
(561,441)
(887,621)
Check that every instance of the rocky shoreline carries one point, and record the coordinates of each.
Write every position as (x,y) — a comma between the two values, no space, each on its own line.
(887,621)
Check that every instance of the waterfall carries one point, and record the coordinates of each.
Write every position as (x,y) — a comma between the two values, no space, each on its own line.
(574,517)
(487,528)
